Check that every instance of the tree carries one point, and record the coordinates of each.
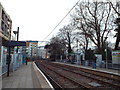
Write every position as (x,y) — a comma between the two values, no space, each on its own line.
(116,8)
(82,39)
(117,22)
(94,19)
(81,34)
(47,46)
(56,48)
(67,34)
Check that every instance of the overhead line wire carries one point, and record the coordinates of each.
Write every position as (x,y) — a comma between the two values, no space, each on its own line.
(61,20)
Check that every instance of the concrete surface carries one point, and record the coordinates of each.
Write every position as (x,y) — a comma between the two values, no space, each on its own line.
(27,76)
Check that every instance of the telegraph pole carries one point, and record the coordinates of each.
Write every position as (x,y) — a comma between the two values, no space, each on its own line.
(17,33)
(106,56)
(8,57)
(17,36)
(8,60)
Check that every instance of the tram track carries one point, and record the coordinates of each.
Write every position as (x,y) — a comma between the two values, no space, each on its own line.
(67,73)
(99,78)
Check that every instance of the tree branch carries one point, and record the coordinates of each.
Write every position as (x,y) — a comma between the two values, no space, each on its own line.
(115,9)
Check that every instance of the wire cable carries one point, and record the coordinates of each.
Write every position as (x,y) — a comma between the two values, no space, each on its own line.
(61,20)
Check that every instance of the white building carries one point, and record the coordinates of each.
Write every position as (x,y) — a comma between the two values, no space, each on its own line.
(41,52)
(32,48)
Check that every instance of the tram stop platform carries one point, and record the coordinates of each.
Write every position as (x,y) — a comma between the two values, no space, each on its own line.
(112,71)
(27,76)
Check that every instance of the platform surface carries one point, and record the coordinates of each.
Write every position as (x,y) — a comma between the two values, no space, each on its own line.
(26,76)
(116,72)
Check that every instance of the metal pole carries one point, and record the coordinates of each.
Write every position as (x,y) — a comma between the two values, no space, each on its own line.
(17,46)
(17,37)
(106,55)
(8,61)
(9,58)
(78,62)
(17,33)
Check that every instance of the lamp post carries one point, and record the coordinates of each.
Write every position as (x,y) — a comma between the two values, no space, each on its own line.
(9,59)
(106,51)
(106,55)
(17,32)
(78,62)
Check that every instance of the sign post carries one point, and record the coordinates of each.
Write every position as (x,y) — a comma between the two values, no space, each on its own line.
(8,60)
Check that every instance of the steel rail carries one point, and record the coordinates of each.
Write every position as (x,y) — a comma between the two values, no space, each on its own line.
(80,84)
(89,76)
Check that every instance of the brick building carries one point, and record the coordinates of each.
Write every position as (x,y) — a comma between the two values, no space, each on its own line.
(5,35)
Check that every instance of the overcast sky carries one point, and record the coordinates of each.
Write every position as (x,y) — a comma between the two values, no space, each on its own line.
(37,18)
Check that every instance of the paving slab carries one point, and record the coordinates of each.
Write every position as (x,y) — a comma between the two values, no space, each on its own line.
(23,77)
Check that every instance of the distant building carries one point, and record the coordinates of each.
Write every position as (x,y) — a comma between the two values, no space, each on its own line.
(5,35)
(41,52)
(31,49)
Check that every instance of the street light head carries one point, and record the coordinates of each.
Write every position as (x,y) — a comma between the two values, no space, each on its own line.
(15,32)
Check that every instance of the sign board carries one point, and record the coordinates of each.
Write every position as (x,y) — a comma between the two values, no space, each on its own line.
(99,59)
(116,57)
(16,43)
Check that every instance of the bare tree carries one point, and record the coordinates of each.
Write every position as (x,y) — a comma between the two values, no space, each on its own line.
(117,22)
(116,8)
(94,20)
(82,39)
(56,48)
(66,33)
(82,31)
